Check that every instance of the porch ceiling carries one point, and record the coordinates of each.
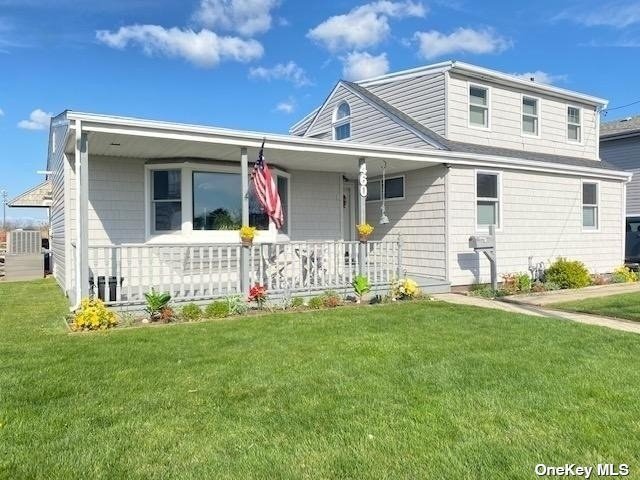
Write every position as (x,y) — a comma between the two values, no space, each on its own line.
(155,148)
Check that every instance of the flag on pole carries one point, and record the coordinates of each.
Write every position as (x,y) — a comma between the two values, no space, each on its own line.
(267,190)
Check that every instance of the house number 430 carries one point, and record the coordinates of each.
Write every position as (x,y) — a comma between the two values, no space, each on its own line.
(362,178)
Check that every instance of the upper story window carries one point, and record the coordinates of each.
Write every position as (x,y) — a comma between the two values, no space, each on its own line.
(589,205)
(574,124)
(530,116)
(166,200)
(487,199)
(478,106)
(342,122)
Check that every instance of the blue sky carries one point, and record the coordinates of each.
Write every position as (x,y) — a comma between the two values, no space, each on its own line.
(262,64)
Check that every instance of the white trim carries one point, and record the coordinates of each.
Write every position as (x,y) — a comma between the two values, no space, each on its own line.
(487,88)
(211,135)
(387,178)
(498,173)
(538,116)
(300,122)
(321,108)
(597,206)
(406,74)
(581,126)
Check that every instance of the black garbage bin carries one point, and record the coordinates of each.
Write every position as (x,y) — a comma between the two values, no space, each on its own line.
(113,282)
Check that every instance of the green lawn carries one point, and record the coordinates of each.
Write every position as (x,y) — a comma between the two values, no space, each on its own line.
(419,391)
(625,305)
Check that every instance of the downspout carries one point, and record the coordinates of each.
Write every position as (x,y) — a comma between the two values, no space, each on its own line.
(78,222)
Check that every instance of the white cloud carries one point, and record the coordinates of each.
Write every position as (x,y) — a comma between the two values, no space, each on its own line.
(246,17)
(364,26)
(612,14)
(464,40)
(203,48)
(287,106)
(541,77)
(38,120)
(290,72)
(360,65)
(1,113)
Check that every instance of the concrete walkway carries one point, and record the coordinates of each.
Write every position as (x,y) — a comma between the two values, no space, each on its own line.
(514,305)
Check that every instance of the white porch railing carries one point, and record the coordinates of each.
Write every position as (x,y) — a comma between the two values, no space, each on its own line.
(122,274)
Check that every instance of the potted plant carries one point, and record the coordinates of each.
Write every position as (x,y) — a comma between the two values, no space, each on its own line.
(247,235)
(258,294)
(361,286)
(364,231)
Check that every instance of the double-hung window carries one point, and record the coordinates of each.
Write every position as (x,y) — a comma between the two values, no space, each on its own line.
(478,106)
(487,199)
(166,200)
(590,205)
(530,116)
(574,124)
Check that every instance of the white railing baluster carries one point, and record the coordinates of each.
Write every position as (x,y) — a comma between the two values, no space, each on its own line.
(219,276)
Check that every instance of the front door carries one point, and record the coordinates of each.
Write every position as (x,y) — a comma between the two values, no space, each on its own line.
(348,211)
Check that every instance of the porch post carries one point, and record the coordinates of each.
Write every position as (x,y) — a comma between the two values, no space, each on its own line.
(245,250)
(82,212)
(362,211)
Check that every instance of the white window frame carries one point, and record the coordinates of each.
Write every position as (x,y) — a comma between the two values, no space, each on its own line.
(538,116)
(580,125)
(335,123)
(187,234)
(379,180)
(471,85)
(597,206)
(485,228)
(152,202)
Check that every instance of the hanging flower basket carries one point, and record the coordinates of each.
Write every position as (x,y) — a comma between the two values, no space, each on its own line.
(247,235)
(364,231)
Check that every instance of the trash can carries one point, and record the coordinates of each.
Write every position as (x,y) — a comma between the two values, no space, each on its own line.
(102,284)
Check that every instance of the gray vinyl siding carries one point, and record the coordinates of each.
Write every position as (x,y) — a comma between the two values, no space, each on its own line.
(422,98)
(316,199)
(420,219)
(506,120)
(58,165)
(368,124)
(541,217)
(624,153)
(300,129)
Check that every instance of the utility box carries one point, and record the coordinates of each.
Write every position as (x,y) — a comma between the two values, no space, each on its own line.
(478,242)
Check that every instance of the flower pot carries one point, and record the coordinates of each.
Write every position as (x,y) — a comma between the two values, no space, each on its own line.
(246,242)
(363,238)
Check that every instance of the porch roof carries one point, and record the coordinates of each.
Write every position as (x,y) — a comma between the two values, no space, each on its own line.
(139,138)
(38,196)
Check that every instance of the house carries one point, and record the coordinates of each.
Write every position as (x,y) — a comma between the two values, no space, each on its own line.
(438,153)
(620,147)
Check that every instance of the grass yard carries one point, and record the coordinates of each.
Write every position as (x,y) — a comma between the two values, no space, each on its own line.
(415,390)
(625,305)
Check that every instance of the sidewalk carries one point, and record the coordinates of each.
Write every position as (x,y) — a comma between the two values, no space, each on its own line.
(520,305)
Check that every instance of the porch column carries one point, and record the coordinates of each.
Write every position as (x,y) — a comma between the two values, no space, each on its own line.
(362,210)
(245,250)
(82,212)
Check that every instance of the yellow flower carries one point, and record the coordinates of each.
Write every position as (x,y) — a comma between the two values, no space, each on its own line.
(247,232)
(364,229)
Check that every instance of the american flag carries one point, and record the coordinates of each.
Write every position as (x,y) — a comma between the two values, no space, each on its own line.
(266,190)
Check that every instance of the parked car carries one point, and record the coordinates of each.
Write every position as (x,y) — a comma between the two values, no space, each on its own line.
(632,245)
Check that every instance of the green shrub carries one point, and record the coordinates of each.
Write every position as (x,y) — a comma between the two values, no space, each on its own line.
(297,302)
(361,286)
(217,309)
(551,286)
(524,282)
(568,274)
(156,303)
(316,303)
(331,299)
(483,290)
(623,274)
(191,312)
(236,305)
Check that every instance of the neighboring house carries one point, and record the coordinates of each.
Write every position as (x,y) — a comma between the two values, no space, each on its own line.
(620,147)
(462,147)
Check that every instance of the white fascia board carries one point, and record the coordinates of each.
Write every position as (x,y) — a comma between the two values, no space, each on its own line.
(499,77)
(304,119)
(406,74)
(176,131)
